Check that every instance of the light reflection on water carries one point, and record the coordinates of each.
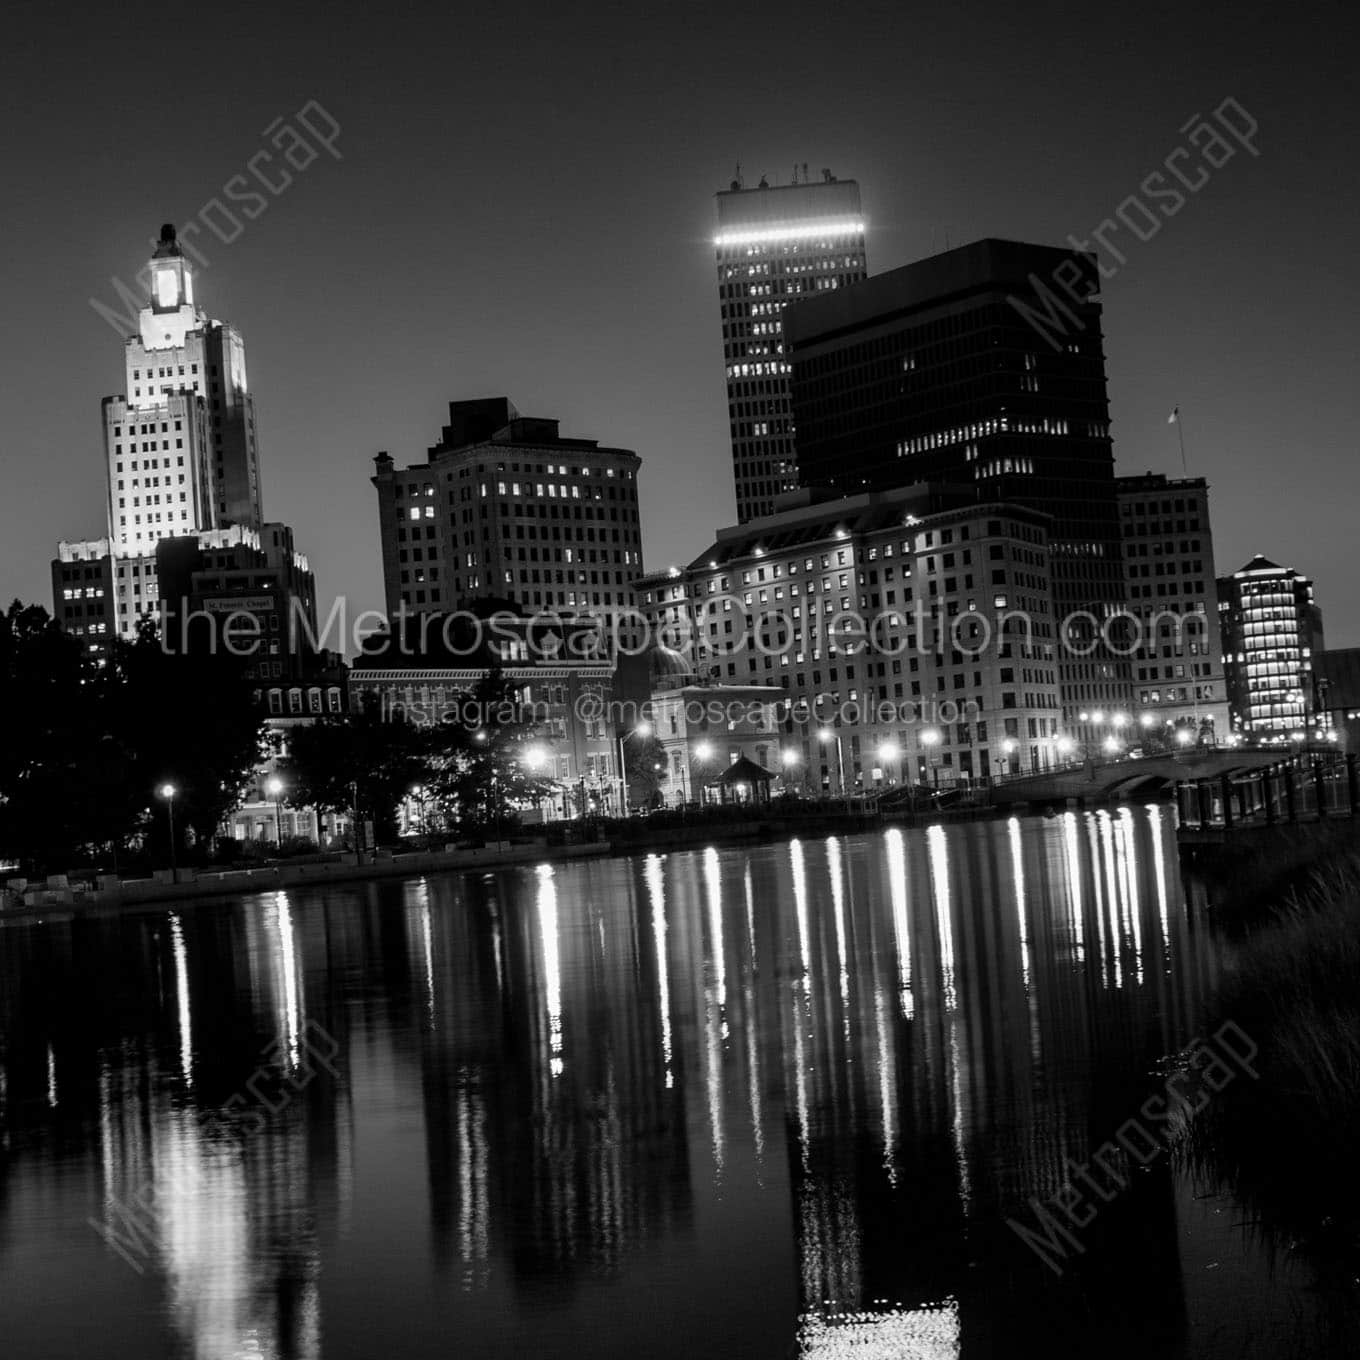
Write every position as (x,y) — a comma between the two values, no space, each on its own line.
(748,1102)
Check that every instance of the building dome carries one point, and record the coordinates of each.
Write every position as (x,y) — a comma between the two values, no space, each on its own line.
(668,669)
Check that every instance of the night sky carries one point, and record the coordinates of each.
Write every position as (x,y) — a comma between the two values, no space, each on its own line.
(524,207)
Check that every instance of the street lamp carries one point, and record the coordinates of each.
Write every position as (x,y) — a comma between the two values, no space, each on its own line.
(825,735)
(418,793)
(642,728)
(1184,736)
(275,790)
(1009,746)
(1066,746)
(703,753)
(930,739)
(889,753)
(168,792)
(535,759)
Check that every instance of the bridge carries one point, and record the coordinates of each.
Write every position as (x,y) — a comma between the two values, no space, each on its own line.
(1217,792)
(1146,776)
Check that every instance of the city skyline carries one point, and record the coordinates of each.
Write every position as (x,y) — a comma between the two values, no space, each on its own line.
(634,723)
(1197,316)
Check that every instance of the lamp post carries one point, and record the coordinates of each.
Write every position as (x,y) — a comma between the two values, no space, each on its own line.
(930,739)
(889,752)
(790,760)
(535,759)
(825,735)
(703,753)
(641,729)
(1009,745)
(168,792)
(275,790)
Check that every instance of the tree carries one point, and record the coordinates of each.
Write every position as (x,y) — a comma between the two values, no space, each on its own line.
(482,769)
(366,760)
(189,719)
(46,814)
(646,770)
(86,746)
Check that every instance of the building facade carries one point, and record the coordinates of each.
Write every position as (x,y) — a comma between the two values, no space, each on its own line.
(912,633)
(84,592)
(1336,684)
(775,246)
(983,366)
(424,669)
(705,729)
(1169,579)
(1271,629)
(506,508)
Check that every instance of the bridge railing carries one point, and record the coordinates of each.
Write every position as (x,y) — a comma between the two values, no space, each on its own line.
(1303,787)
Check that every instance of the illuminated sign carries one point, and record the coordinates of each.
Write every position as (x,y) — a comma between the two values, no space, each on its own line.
(249,604)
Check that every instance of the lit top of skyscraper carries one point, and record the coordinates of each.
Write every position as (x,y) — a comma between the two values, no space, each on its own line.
(775,246)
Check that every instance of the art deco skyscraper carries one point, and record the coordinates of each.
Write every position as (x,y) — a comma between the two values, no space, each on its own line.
(775,246)
(180,442)
(181,458)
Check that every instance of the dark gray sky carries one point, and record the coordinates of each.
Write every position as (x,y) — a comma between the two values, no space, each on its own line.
(524,206)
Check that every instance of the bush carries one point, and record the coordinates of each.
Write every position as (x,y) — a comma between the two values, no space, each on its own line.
(1285,1144)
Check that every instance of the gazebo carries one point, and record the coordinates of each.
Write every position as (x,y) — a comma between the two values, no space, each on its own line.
(743,781)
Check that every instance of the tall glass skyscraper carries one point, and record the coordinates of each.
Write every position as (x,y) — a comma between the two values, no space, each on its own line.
(774,247)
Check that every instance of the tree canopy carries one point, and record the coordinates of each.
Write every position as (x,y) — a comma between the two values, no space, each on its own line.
(87,746)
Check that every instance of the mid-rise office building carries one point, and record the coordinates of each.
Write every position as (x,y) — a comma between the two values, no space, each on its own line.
(505,507)
(775,246)
(912,632)
(250,593)
(983,365)
(1271,630)
(1176,651)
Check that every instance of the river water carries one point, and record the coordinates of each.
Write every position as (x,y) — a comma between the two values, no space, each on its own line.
(777,1101)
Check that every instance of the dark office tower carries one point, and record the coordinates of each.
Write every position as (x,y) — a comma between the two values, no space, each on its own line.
(983,366)
(775,246)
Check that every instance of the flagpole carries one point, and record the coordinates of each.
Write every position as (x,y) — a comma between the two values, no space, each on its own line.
(1179,422)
